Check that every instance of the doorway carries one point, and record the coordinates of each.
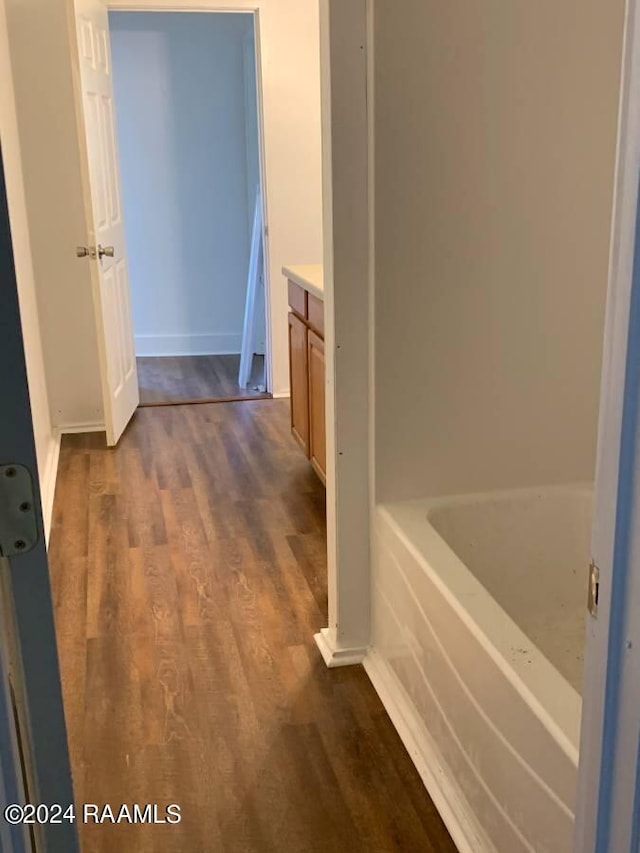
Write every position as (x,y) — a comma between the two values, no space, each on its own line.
(188,134)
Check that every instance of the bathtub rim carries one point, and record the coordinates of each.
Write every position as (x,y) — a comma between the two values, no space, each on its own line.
(551,697)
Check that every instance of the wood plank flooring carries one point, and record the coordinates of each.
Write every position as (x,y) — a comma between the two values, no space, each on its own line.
(189,575)
(169,380)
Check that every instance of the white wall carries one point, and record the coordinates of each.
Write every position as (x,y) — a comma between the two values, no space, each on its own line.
(41,62)
(495,141)
(290,65)
(180,105)
(345,126)
(45,440)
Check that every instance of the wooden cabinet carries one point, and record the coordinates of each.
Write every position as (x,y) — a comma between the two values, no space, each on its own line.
(306,372)
(298,299)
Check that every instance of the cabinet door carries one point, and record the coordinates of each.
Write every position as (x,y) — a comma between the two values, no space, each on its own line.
(298,376)
(317,441)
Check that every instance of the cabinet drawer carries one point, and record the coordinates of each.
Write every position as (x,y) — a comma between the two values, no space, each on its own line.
(298,299)
(315,313)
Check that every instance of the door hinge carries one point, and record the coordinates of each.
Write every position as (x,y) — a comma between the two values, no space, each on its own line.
(594,589)
(18,520)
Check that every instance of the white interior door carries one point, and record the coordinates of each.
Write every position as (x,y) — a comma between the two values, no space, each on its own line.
(106,237)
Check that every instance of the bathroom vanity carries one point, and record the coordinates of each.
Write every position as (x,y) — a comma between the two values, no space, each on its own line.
(306,361)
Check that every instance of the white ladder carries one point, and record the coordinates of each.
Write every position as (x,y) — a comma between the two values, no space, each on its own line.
(255,279)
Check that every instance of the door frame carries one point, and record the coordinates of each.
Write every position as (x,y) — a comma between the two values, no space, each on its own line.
(13,838)
(251,7)
(607,812)
(28,637)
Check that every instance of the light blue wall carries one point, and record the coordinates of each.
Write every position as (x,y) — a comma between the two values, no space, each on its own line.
(183,137)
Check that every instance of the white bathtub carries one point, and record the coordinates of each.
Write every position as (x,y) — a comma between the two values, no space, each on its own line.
(477,635)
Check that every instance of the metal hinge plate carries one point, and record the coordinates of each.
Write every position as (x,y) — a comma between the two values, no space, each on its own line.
(18,522)
(594,589)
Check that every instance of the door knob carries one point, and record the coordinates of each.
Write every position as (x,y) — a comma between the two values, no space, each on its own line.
(93,252)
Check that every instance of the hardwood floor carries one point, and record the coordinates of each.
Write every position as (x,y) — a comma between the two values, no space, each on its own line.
(189,575)
(168,380)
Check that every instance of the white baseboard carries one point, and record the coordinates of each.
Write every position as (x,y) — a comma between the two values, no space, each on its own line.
(88,426)
(48,482)
(439,781)
(222,343)
(336,655)
(281,395)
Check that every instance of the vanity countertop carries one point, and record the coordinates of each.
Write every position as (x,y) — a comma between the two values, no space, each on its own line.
(308,276)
